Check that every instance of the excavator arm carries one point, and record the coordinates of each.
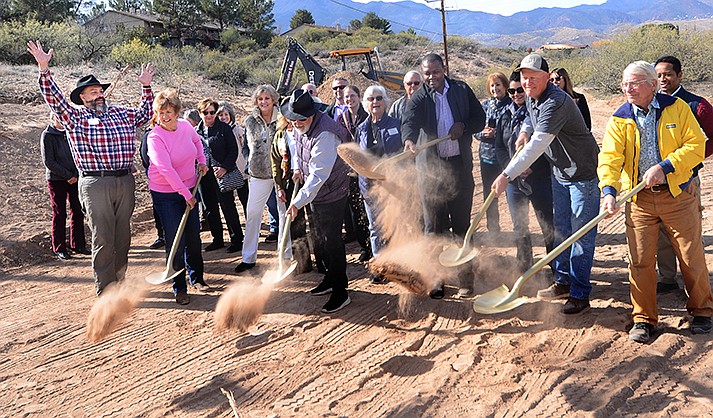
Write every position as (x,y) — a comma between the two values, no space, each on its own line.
(315,73)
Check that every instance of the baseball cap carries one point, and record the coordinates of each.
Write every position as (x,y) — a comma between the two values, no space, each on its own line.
(534,62)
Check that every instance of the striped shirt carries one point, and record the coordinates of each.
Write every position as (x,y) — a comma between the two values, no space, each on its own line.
(444,119)
(99,141)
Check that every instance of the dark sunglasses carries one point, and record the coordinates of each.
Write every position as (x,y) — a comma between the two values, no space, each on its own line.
(338,88)
(413,83)
(518,90)
(555,78)
(377,98)
(209,112)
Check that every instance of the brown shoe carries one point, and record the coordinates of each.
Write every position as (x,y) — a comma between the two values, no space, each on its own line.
(555,291)
(182,298)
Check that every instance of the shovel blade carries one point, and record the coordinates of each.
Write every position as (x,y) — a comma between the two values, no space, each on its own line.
(277,278)
(454,255)
(498,300)
(159,277)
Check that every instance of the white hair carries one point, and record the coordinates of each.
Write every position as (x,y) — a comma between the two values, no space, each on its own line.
(376,90)
(644,69)
(411,73)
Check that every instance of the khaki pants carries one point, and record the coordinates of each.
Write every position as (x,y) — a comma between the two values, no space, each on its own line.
(682,221)
(665,257)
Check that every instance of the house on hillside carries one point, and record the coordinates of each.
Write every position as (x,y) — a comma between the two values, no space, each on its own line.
(303,27)
(560,47)
(114,21)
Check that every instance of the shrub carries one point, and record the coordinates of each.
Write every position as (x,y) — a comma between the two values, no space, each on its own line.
(61,37)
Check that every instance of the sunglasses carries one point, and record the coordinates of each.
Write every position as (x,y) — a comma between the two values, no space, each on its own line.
(377,98)
(517,90)
(413,83)
(555,78)
(209,112)
(335,88)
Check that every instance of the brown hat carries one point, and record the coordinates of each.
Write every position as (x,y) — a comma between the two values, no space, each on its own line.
(82,83)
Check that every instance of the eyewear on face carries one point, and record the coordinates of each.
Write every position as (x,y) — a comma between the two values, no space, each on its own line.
(338,88)
(555,79)
(517,90)
(377,98)
(209,112)
(632,84)
(413,83)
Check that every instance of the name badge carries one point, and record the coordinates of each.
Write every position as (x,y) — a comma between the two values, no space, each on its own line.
(93,121)
(670,126)
(393,131)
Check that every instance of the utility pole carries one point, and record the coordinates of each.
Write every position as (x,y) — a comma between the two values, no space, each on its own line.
(443,29)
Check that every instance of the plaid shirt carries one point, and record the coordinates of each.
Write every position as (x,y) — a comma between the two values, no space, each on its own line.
(105,141)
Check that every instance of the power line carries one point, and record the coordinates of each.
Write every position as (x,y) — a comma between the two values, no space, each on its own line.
(391,21)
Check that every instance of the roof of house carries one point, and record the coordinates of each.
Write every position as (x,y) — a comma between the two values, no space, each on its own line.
(146,17)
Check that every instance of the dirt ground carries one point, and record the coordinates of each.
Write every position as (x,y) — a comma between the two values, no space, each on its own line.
(387,354)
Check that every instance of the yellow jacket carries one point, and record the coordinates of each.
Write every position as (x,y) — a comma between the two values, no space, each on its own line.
(680,139)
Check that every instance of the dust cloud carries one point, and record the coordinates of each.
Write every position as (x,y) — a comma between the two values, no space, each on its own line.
(112,308)
(241,305)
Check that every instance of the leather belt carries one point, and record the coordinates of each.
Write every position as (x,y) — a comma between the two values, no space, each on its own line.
(657,188)
(105,173)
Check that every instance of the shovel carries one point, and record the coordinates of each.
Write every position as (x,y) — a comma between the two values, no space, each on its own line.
(453,255)
(363,162)
(503,299)
(159,277)
(283,274)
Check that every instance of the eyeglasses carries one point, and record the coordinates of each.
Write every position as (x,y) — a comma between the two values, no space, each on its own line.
(555,78)
(632,84)
(413,83)
(335,88)
(517,90)
(209,112)
(377,98)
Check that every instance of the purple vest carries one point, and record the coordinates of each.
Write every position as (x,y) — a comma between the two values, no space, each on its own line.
(337,185)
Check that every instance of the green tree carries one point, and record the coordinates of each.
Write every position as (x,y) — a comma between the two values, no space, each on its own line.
(257,18)
(224,12)
(131,6)
(181,18)
(301,16)
(355,24)
(46,11)
(372,20)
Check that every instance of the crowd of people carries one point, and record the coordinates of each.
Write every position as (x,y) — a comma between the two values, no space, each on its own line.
(534,144)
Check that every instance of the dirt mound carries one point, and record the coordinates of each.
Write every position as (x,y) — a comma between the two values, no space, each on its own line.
(355,79)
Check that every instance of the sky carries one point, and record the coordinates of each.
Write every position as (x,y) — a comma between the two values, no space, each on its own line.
(503,7)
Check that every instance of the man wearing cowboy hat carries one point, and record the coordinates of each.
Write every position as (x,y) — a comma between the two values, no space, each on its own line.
(103,142)
(325,189)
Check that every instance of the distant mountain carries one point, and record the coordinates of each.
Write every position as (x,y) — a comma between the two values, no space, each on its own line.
(589,22)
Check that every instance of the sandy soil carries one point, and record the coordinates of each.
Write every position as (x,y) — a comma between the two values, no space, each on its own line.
(387,354)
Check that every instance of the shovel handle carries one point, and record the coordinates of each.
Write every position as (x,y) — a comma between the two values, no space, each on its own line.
(569,241)
(406,154)
(477,218)
(181,227)
(285,229)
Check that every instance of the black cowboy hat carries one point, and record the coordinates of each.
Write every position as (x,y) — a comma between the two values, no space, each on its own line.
(300,106)
(82,83)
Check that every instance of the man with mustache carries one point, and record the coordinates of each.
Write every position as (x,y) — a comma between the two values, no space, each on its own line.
(103,142)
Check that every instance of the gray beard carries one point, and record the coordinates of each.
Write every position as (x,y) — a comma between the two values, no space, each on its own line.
(98,108)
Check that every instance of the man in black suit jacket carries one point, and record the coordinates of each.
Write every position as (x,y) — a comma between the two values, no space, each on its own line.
(445,171)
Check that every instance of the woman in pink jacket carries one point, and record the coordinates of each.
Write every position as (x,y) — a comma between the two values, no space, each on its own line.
(176,154)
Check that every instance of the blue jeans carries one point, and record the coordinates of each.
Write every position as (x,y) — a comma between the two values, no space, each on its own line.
(273,212)
(575,204)
(372,213)
(170,208)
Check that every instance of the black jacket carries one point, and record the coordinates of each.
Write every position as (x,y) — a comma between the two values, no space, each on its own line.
(56,155)
(223,147)
(419,119)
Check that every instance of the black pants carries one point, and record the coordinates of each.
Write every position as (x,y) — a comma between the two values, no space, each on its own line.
(328,228)
(355,220)
(212,199)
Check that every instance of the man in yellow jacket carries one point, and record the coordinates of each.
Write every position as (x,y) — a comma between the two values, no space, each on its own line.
(654,138)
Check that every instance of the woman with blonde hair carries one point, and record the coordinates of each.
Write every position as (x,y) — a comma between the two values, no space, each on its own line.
(259,134)
(560,78)
(176,151)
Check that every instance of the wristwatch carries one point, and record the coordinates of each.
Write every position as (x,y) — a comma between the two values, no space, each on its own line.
(506,176)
